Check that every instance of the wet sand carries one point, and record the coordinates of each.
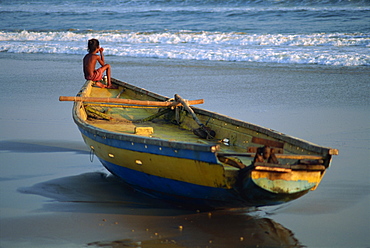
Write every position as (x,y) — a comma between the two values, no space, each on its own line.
(52,195)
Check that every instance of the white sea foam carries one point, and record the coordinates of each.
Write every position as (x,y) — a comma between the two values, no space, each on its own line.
(342,49)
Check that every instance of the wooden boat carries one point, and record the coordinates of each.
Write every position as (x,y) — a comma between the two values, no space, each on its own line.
(191,156)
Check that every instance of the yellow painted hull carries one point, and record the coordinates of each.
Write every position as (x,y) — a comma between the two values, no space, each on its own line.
(173,168)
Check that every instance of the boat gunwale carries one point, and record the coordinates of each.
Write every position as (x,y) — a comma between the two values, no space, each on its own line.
(143,139)
(269,132)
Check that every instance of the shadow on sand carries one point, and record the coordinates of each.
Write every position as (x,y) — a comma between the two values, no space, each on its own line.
(98,192)
(35,146)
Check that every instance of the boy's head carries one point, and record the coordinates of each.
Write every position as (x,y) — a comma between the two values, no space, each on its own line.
(92,45)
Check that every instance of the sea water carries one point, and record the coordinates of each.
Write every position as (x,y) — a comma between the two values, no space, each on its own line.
(330,32)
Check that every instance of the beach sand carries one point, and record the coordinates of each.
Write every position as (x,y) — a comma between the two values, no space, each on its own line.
(54,194)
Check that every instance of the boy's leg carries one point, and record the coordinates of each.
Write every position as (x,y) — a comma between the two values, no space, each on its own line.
(108,73)
(101,85)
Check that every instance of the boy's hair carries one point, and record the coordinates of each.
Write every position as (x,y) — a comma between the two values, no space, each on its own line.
(92,45)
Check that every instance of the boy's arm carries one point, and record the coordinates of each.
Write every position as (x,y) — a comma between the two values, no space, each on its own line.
(101,57)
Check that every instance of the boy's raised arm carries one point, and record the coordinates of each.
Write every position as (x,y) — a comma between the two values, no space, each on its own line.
(101,58)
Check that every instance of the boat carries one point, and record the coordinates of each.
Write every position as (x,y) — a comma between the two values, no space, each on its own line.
(172,150)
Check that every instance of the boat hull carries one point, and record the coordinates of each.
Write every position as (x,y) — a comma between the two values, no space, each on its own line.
(180,186)
(175,165)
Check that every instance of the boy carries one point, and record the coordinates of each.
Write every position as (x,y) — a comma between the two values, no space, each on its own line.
(89,63)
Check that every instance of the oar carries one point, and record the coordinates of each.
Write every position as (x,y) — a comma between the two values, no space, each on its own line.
(203,131)
(120,93)
(126,101)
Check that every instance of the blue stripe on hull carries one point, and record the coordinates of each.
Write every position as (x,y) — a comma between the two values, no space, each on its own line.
(177,191)
(125,143)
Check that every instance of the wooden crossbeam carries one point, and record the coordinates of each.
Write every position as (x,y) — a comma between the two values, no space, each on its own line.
(127,101)
(267,142)
(282,156)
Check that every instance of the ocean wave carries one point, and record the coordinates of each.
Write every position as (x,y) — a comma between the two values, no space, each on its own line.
(128,6)
(274,17)
(201,38)
(338,49)
(41,9)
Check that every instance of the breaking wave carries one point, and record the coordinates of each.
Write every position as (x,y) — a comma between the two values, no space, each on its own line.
(339,49)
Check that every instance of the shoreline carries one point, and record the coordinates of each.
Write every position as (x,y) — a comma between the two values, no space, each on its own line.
(113,59)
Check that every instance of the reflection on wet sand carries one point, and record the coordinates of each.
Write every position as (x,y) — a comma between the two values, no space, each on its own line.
(214,229)
(142,221)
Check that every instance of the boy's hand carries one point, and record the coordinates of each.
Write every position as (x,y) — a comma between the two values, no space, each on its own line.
(101,49)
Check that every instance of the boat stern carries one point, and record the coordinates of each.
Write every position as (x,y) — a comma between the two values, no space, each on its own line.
(271,185)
